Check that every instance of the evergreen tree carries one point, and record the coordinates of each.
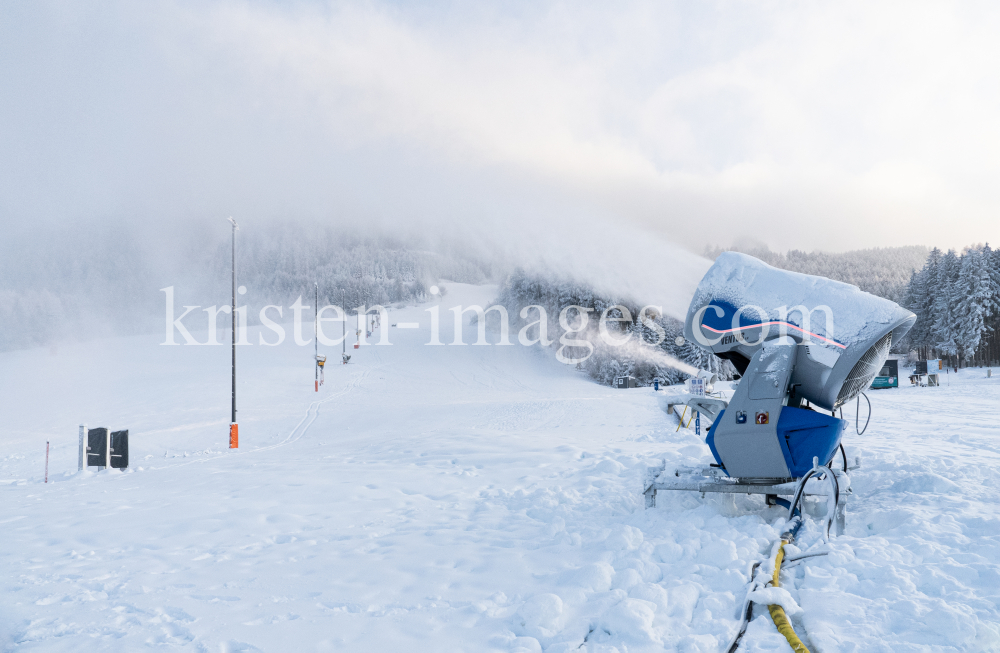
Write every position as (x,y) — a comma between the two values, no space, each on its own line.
(991,332)
(921,300)
(945,285)
(973,303)
(991,261)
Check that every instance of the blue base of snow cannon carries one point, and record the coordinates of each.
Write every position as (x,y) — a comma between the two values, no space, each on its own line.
(803,435)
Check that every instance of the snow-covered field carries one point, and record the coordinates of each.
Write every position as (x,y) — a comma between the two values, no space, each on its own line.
(456,499)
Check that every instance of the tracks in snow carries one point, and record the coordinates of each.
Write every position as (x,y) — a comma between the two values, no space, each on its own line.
(295,434)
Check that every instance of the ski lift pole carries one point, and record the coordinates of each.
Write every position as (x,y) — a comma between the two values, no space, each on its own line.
(234,437)
(316,337)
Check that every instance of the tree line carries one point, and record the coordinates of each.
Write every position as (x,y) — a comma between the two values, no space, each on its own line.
(956,298)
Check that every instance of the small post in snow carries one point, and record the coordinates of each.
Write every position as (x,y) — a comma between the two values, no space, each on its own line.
(343,307)
(83,435)
(46,461)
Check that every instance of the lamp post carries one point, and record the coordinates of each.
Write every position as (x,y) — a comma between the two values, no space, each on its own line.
(234,431)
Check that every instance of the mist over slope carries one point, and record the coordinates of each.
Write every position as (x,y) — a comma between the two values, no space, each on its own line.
(103,279)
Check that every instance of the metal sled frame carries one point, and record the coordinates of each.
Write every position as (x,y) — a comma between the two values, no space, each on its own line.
(713,479)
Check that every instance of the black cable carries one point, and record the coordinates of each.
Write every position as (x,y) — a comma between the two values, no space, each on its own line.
(784,503)
(857,415)
(844,454)
(799,491)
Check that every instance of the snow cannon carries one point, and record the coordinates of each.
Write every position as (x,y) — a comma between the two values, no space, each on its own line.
(802,344)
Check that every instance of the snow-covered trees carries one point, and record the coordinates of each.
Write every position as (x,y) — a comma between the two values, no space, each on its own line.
(279,264)
(956,298)
(87,281)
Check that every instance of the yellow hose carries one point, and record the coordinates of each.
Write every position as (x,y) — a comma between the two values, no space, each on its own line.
(778,614)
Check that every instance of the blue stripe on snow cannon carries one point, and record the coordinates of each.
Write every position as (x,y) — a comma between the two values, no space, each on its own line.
(724,322)
(803,434)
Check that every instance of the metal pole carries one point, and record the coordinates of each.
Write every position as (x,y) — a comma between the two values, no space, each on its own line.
(233,427)
(316,337)
(46,461)
(343,303)
(234,323)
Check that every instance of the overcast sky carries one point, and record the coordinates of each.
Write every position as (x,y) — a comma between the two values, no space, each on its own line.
(797,124)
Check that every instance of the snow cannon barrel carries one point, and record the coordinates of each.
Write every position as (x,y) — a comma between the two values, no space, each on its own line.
(842,335)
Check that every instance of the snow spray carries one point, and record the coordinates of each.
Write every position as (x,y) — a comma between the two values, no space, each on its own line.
(653,354)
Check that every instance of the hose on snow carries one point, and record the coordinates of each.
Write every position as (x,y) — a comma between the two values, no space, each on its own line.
(796,521)
(778,615)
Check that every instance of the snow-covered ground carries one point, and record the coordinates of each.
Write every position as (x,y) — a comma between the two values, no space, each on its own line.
(456,499)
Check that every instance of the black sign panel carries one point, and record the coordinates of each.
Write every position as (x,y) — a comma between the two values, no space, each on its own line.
(97,443)
(119,449)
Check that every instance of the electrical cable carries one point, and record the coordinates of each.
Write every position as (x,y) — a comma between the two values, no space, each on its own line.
(746,612)
(799,495)
(802,556)
(793,504)
(834,456)
(857,414)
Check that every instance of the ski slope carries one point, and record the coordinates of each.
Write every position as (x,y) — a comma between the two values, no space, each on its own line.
(455,499)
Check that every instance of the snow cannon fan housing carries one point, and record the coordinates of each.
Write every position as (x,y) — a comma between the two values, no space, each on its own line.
(793,337)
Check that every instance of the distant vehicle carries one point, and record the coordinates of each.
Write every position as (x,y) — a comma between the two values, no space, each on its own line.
(888,376)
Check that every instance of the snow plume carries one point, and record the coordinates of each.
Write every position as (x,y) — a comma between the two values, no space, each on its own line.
(645,361)
(649,354)
(613,259)
(648,338)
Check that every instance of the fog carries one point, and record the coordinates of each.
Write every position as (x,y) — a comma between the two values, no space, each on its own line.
(603,142)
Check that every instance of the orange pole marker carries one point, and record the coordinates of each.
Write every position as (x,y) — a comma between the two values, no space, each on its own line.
(234,436)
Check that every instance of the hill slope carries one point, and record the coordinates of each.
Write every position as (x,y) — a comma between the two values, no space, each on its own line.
(454,498)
